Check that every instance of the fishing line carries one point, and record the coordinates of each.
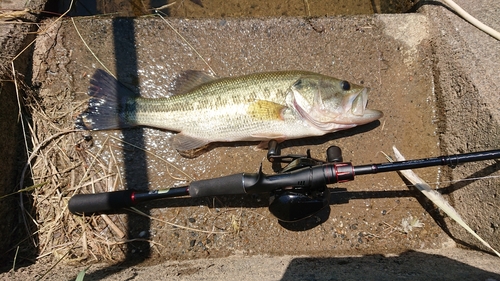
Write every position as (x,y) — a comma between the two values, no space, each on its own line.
(184,39)
(463,180)
(439,183)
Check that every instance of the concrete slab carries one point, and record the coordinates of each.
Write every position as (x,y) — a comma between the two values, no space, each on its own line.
(146,54)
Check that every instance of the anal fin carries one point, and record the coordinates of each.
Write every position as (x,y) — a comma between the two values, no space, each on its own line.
(184,142)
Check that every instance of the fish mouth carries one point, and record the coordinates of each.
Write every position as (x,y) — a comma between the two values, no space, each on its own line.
(356,111)
(351,112)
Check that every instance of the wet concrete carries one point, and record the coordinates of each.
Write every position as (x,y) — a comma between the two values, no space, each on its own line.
(365,216)
(230,9)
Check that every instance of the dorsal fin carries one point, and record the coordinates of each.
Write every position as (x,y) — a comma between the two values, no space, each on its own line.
(190,79)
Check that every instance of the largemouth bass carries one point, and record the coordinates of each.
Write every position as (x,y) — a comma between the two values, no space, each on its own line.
(256,107)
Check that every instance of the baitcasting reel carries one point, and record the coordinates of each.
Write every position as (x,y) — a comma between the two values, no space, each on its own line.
(294,203)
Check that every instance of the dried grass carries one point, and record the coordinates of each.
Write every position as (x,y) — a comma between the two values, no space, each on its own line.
(60,165)
(61,159)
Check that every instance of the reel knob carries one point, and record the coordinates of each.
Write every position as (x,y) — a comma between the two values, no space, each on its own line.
(334,154)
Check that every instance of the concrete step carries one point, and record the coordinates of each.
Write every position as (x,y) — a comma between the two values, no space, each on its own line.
(383,52)
(443,264)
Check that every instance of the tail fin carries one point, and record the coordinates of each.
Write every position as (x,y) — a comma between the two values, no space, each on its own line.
(110,105)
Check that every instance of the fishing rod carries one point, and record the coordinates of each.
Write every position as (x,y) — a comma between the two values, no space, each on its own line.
(298,191)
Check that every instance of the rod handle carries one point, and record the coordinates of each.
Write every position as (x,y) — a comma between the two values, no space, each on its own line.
(100,202)
(233,184)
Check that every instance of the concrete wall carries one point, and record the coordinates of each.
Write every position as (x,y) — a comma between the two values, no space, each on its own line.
(467,72)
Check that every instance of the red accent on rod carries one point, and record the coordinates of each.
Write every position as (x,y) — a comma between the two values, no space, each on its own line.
(132,197)
(344,172)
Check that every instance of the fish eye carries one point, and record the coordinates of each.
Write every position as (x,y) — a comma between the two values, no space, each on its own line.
(346,86)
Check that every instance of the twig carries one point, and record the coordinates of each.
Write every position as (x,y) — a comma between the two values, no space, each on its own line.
(472,20)
(15,259)
(113,226)
(135,210)
(88,48)
(436,198)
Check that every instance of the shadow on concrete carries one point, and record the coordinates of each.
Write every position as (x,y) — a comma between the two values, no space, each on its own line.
(407,266)
(135,164)
(134,160)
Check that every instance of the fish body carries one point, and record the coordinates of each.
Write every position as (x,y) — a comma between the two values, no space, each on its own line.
(255,107)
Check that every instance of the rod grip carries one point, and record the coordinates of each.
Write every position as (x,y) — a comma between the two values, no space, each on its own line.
(100,202)
(233,184)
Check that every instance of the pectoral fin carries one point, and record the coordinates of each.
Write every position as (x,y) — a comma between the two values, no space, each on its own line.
(266,110)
